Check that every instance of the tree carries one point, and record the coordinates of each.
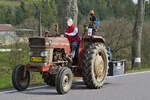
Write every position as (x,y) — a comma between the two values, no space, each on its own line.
(122,8)
(68,9)
(137,35)
(20,13)
(2,15)
(147,9)
(9,17)
(49,12)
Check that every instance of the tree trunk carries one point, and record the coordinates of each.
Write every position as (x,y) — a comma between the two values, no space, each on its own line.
(68,9)
(137,35)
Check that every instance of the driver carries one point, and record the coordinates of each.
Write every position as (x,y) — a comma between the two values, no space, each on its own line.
(73,37)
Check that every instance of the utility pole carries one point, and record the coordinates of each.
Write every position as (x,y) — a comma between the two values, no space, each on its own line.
(137,34)
(37,6)
(39,28)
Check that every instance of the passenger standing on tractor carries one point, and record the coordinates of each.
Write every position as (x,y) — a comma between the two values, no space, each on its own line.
(73,37)
(92,18)
(94,23)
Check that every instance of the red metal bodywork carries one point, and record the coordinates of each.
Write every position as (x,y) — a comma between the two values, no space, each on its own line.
(38,68)
(51,42)
(56,42)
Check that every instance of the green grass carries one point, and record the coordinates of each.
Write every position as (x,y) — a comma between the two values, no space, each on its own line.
(5,46)
(9,3)
(5,70)
(7,64)
(6,82)
(139,69)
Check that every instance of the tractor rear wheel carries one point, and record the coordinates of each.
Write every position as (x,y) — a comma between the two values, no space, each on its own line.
(63,80)
(20,79)
(94,65)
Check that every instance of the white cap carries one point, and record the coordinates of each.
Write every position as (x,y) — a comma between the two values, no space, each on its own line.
(69,20)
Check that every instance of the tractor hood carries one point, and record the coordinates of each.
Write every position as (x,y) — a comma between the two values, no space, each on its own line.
(48,41)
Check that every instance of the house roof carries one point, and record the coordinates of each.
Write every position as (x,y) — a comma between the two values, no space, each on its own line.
(6,27)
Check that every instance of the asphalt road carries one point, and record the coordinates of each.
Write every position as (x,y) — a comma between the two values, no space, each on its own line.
(128,87)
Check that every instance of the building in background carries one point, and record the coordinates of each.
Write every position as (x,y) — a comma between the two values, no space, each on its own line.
(7,34)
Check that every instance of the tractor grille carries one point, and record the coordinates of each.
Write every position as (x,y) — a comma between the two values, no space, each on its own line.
(37,54)
(37,41)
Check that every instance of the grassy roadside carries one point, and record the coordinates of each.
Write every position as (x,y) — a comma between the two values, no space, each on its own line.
(140,69)
(5,81)
(8,62)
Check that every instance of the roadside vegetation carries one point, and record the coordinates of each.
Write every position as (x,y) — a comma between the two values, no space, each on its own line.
(138,69)
(8,60)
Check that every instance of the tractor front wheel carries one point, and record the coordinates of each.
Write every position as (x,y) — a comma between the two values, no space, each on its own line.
(63,80)
(20,78)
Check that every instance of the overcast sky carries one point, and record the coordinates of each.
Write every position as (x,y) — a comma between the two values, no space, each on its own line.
(135,1)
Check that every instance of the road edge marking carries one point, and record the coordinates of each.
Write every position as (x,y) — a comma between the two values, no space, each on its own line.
(30,88)
(130,74)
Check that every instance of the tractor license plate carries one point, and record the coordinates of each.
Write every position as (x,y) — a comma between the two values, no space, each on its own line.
(36,59)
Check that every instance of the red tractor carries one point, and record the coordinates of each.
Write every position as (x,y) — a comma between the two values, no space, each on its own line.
(48,56)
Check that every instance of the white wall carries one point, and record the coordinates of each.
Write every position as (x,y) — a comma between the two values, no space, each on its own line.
(7,37)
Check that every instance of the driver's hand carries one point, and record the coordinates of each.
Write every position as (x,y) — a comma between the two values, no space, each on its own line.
(66,33)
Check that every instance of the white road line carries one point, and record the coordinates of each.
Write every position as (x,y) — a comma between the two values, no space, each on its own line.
(129,74)
(42,86)
(10,91)
(30,88)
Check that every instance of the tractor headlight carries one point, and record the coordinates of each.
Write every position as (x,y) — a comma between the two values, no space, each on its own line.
(50,42)
(30,53)
(44,53)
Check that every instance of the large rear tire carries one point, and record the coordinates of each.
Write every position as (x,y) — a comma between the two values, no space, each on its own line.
(94,65)
(63,80)
(19,80)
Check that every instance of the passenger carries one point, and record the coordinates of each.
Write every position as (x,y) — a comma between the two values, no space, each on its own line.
(93,26)
(92,18)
